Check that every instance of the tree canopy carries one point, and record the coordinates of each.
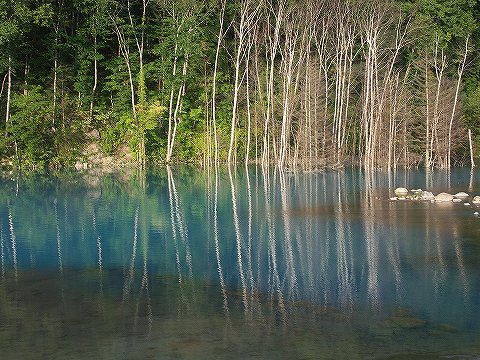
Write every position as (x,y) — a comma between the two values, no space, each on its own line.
(301,83)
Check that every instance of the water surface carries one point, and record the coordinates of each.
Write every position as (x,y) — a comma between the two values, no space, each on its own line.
(189,264)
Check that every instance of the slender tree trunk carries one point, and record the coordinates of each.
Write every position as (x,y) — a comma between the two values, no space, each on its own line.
(9,92)
(427,130)
(170,106)
(249,115)
(214,86)
(132,89)
(472,162)
(273,47)
(236,87)
(125,52)
(95,75)
(25,74)
(55,71)
(461,68)
(178,107)
(439,70)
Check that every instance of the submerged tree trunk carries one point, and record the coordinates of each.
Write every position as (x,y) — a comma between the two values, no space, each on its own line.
(472,162)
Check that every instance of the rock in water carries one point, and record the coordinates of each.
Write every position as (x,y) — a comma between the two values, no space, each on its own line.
(476,200)
(427,195)
(444,197)
(461,195)
(401,192)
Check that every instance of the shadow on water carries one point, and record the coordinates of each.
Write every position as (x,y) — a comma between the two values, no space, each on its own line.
(237,263)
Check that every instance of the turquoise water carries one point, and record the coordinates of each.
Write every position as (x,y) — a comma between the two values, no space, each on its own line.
(190,264)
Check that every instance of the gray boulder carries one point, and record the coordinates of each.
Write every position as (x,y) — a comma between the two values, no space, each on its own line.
(444,197)
(427,195)
(476,200)
(401,192)
(416,194)
(461,195)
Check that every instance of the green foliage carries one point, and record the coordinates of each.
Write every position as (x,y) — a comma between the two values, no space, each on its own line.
(113,130)
(472,111)
(31,127)
(151,117)
(452,18)
(38,37)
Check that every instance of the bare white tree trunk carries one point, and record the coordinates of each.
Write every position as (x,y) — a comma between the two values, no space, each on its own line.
(242,30)
(9,92)
(214,86)
(247,15)
(439,71)
(178,106)
(428,160)
(125,52)
(472,162)
(249,113)
(55,71)
(461,68)
(95,75)
(170,106)
(272,49)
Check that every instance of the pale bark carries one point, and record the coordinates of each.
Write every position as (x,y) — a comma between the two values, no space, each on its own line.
(95,75)
(9,94)
(272,45)
(249,114)
(239,55)
(428,162)
(176,118)
(125,52)
(472,162)
(55,71)
(439,71)
(214,85)
(461,68)
(170,106)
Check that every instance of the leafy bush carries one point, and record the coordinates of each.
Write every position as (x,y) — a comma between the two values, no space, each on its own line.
(31,127)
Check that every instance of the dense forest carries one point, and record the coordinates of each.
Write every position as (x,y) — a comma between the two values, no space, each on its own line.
(298,84)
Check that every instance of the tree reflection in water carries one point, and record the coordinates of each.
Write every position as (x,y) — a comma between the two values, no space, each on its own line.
(235,261)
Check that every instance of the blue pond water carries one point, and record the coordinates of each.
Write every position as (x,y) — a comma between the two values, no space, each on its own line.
(189,264)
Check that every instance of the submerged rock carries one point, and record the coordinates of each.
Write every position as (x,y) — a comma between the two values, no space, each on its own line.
(444,197)
(461,195)
(401,192)
(405,322)
(427,195)
(446,328)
